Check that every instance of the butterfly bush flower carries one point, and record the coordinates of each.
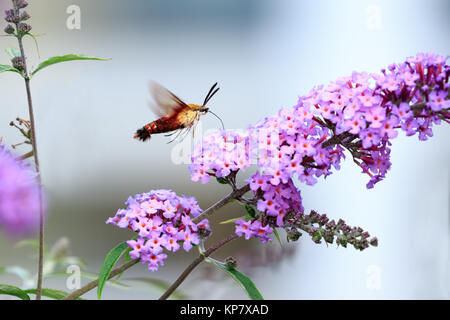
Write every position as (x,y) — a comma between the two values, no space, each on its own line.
(360,113)
(19,195)
(162,220)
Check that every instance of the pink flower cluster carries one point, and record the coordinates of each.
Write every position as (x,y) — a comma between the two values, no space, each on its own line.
(276,200)
(219,154)
(19,195)
(162,220)
(360,113)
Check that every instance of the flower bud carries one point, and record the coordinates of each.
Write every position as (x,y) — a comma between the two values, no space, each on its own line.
(230,263)
(21,3)
(9,29)
(24,16)
(24,28)
(374,242)
(203,232)
(11,16)
(17,63)
(293,234)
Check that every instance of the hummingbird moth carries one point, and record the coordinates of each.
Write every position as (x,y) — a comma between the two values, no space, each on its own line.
(176,116)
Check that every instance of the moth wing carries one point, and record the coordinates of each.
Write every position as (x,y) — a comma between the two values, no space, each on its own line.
(166,102)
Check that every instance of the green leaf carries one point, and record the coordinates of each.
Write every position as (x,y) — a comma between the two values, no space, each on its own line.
(222,180)
(35,42)
(160,285)
(22,273)
(233,220)
(32,243)
(51,293)
(5,67)
(110,260)
(59,59)
(13,291)
(28,243)
(127,257)
(251,211)
(245,282)
(12,52)
(275,232)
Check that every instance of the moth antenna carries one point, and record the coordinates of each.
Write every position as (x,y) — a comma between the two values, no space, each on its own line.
(211,95)
(223,127)
(210,90)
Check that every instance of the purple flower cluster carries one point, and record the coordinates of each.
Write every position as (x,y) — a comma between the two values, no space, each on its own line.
(162,220)
(277,201)
(221,153)
(16,17)
(360,113)
(366,111)
(19,195)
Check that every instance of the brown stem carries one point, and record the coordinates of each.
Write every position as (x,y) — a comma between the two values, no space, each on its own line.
(91,285)
(195,263)
(233,195)
(36,161)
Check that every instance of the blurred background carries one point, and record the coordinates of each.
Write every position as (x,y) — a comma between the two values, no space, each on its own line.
(264,54)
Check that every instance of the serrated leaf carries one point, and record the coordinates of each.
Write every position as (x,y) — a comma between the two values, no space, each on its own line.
(65,58)
(160,285)
(5,67)
(110,260)
(13,291)
(244,281)
(12,52)
(51,293)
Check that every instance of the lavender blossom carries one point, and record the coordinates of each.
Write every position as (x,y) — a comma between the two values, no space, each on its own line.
(19,196)
(162,220)
(360,113)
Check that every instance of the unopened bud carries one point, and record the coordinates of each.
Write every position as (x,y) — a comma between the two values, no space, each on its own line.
(24,27)
(21,4)
(231,263)
(293,234)
(203,232)
(374,242)
(11,16)
(24,16)
(17,62)
(9,29)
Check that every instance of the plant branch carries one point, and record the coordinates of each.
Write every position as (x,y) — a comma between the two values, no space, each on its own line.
(233,195)
(36,161)
(194,264)
(91,285)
